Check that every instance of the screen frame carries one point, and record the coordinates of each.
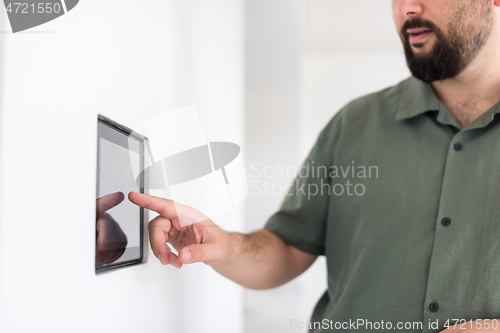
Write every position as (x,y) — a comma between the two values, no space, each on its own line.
(143,142)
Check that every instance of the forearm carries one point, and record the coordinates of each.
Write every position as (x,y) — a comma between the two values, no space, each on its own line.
(261,260)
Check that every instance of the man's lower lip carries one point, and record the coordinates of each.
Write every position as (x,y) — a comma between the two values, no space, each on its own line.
(414,39)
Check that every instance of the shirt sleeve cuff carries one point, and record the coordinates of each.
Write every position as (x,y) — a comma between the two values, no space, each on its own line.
(277,224)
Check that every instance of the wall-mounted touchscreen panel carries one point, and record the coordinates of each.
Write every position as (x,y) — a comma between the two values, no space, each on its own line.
(119,223)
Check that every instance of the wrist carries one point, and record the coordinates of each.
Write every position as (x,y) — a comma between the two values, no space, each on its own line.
(232,248)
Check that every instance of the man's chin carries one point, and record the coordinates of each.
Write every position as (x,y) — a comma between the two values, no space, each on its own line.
(417,46)
(421,50)
(424,46)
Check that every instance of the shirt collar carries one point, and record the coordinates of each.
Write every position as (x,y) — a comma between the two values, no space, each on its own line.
(417,97)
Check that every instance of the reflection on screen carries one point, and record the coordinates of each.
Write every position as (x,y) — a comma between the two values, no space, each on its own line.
(116,176)
(118,221)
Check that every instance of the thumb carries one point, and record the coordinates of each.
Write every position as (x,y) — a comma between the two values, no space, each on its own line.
(206,253)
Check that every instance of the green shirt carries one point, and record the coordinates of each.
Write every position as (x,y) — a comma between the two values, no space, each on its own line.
(406,208)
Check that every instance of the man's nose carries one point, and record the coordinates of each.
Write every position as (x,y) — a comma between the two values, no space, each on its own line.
(409,8)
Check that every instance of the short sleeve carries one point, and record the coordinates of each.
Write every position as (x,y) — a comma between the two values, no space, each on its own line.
(302,217)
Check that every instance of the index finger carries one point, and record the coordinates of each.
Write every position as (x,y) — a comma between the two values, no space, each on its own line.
(164,207)
(107,202)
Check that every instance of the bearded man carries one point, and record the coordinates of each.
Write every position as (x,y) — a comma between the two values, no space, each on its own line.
(419,250)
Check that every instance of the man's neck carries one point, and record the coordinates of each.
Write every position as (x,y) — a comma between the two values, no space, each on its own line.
(475,90)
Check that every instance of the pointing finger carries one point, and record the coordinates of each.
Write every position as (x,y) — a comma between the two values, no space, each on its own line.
(162,206)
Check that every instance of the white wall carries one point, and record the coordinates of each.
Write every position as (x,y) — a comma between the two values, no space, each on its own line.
(305,60)
(351,49)
(275,37)
(129,60)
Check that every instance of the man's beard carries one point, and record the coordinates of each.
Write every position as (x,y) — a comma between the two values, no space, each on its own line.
(451,53)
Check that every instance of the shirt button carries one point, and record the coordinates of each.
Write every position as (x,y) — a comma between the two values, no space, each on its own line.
(446,221)
(434,307)
(458,146)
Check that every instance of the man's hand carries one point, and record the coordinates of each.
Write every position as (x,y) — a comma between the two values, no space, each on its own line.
(259,260)
(111,241)
(480,326)
(199,242)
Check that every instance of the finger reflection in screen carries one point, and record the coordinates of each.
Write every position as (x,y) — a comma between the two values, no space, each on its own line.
(111,241)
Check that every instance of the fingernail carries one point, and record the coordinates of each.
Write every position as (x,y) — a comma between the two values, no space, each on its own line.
(175,264)
(188,256)
(162,260)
